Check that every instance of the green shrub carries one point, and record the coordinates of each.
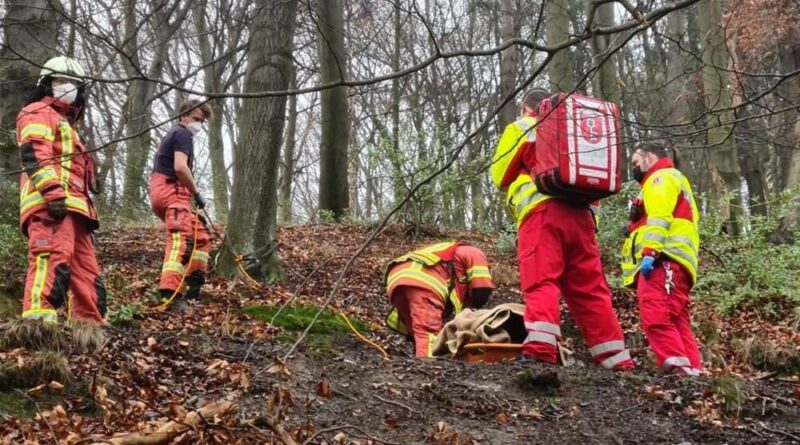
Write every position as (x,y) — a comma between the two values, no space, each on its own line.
(748,272)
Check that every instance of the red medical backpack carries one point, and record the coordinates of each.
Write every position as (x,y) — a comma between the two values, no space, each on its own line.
(577,149)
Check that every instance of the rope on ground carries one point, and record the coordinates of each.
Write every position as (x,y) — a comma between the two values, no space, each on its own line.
(252,282)
(375,231)
(361,336)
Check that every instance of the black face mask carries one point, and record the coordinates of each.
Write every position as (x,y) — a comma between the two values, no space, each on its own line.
(638,174)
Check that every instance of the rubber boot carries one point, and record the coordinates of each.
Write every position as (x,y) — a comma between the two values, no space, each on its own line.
(194,283)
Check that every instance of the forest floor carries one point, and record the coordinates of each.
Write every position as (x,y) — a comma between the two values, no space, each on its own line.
(157,370)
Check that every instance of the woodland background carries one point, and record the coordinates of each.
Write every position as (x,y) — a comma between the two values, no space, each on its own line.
(335,117)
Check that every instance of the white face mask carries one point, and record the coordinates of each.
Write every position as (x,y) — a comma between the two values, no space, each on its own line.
(194,127)
(65,93)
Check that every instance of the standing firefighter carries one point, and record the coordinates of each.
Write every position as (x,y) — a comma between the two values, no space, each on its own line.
(557,252)
(430,284)
(56,211)
(172,190)
(660,257)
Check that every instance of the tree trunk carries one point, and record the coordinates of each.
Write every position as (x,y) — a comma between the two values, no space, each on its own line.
(508,63)
(30,28)
(676,100)
(560,70)
(723,156)
(258,148)
(287,166)
(335,137)
(213,72)
(140,96)
(604,83)
(789,152)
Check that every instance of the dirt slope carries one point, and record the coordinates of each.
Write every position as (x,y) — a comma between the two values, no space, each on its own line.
(335,389)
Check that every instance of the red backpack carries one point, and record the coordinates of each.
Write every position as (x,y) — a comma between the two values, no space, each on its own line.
(577,153)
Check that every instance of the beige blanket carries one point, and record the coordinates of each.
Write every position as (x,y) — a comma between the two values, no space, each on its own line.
(501,324)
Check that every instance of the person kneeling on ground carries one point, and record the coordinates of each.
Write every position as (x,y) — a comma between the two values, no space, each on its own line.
(429,285)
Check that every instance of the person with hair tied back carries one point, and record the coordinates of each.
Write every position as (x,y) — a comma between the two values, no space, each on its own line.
(172,192)
(56,211)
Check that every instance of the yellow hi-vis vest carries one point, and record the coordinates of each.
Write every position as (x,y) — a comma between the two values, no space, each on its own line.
(426,257)
(508,173)
(669,224)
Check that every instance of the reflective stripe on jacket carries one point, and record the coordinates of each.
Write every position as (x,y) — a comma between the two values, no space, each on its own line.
(417,275)
(669,224)
(53,163)
(508,172)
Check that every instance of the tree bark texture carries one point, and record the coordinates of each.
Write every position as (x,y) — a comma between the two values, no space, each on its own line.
(252,222)
(335,138)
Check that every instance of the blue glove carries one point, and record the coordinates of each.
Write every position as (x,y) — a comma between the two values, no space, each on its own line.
(647,266)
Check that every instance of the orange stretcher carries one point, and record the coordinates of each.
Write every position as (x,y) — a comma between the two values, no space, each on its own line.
(490,352)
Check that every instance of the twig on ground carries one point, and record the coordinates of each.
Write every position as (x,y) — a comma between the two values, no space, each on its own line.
(364,434)
(392,402)
(274,425)
(782,433)
(39,411)
(630,408)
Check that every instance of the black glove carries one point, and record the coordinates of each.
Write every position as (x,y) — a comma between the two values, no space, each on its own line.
(199,201)
(57,209)
(480,296)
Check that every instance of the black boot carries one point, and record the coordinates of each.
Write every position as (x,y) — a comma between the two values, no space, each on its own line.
(177,304)
(194,282)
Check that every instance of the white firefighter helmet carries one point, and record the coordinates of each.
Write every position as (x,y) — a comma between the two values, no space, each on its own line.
(64,67)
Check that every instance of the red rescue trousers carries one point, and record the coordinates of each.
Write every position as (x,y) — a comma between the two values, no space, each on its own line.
(172,202)
(421,312)
(558,254)
(60,259)
(665,318)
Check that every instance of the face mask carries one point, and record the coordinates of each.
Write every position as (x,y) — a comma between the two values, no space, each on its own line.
(65,93)
(194,127)
(638,173)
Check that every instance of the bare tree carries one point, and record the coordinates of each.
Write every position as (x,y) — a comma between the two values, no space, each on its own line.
(333,189)
(30,35)
(719,115)
(165,20)
(254,228)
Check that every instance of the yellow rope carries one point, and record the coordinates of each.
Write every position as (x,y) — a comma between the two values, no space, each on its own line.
(166,304)
(252,282)
(361,337)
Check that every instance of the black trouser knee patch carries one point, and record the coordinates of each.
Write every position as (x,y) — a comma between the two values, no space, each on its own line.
(100,287)
(187,254)
(58,294)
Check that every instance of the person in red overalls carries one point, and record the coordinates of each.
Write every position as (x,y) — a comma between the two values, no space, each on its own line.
(660,258)
(172,191)
(558,254)
(430,284)
(56,212)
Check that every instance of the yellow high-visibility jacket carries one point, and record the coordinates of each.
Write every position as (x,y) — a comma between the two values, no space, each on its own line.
(668,224)
(508,172)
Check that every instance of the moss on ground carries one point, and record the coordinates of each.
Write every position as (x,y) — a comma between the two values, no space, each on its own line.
(14,404)
(297,318)
(326,335)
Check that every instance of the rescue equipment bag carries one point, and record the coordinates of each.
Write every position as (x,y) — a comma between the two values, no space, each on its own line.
(577,152)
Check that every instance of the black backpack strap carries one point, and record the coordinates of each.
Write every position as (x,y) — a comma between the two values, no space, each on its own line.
(449,308)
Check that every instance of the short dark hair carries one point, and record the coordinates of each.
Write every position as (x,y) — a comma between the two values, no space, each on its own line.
(190,105)
(532,97)
(658,148)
